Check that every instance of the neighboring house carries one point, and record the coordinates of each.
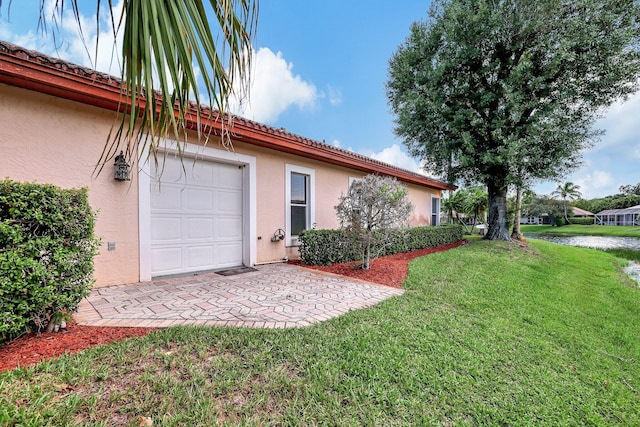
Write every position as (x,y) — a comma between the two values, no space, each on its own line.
(581,213)
(542,219)
(545,219)
(532,219)
(221,211)
(628,216)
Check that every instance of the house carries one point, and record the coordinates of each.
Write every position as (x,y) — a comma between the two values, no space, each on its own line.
(224,208)
(628,216)
(545,219)
(581,213)
(537,220)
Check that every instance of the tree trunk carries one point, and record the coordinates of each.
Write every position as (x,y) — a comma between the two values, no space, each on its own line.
(497,229)
(516,234)
(566,213)
(366,258)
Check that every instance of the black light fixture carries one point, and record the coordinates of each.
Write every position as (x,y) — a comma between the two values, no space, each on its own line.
(123,170)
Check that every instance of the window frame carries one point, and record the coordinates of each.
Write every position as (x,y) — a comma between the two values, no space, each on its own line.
(435,199)
(292,240)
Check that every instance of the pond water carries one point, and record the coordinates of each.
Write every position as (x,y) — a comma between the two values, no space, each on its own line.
(633,270)
(598,242)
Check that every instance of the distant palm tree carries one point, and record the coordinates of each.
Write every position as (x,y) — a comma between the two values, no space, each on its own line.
(476,203)
(567,191)
(164,42)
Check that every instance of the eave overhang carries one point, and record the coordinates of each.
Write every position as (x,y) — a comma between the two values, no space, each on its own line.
(37,72)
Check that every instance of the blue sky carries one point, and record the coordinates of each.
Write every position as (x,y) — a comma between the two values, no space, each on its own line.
(320,72)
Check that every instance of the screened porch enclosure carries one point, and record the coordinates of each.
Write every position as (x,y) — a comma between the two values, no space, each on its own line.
(628,216)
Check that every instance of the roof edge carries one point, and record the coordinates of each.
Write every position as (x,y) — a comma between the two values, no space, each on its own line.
(32,70)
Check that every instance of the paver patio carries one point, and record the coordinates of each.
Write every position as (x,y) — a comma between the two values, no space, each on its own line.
(274,296)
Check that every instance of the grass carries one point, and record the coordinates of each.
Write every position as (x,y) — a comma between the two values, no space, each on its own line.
(490,333)
(584,230)
(630,254)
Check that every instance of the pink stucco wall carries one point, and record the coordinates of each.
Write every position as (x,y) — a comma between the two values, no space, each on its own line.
(331,181)
(49,140)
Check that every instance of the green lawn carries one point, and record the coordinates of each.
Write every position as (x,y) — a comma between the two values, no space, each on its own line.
(490,333)
(584,230)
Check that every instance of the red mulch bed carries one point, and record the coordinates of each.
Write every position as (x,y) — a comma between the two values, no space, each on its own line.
(390,270)
(30,349)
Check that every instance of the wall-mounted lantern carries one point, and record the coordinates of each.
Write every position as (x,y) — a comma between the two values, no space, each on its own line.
(123,170)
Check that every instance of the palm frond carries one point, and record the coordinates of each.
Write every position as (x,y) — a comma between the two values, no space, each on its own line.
(164,42)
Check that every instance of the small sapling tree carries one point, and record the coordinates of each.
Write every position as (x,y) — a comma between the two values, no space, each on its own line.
(373,206)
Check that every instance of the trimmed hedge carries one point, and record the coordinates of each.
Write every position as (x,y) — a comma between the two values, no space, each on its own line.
(47,247)
(582,221)
(326,247)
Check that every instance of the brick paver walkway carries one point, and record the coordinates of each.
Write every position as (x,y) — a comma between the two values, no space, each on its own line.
(275,296)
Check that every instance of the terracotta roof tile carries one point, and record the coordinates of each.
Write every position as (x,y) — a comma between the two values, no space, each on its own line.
(318,150)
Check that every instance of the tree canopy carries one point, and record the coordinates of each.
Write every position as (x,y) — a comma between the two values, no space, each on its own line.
(505,92)
(164,43)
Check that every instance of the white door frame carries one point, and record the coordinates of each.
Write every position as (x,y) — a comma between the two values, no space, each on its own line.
(198,152)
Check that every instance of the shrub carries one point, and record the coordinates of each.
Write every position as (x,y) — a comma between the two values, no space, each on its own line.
(47,247)
(373,203)
(326,247)
(582,221)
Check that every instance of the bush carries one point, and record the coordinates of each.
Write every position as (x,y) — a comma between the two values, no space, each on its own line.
(326,247)
(582,221)
(47,247)
(373,203)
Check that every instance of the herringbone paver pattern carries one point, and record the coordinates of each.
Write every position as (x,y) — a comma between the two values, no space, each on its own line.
(275,296)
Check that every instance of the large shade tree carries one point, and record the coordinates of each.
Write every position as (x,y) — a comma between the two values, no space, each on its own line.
(505,92)
(164,42)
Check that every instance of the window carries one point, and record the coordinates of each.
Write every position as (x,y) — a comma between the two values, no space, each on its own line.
(435,210)
(300,201)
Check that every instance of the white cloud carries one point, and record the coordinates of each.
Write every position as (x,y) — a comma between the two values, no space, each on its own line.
(62,38)
(396,157)
(620,123)
(335,95)
(595,183)
(274,89)
(336,143)
(107,56)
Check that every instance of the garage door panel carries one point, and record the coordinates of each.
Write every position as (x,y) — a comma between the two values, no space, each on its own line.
(229,254)
(200,228)
(229,176)
(228,228)
(227,201)
(196,217)
(200,199)
(201,174)
(166,260)
(166,229)
(171,169)
(200,257)
(165,197)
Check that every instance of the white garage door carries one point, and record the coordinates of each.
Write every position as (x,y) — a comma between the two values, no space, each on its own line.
(196,217)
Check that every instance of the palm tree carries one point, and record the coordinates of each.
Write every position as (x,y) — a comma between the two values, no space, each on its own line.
(476,203)
(566,191)
(168,40)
